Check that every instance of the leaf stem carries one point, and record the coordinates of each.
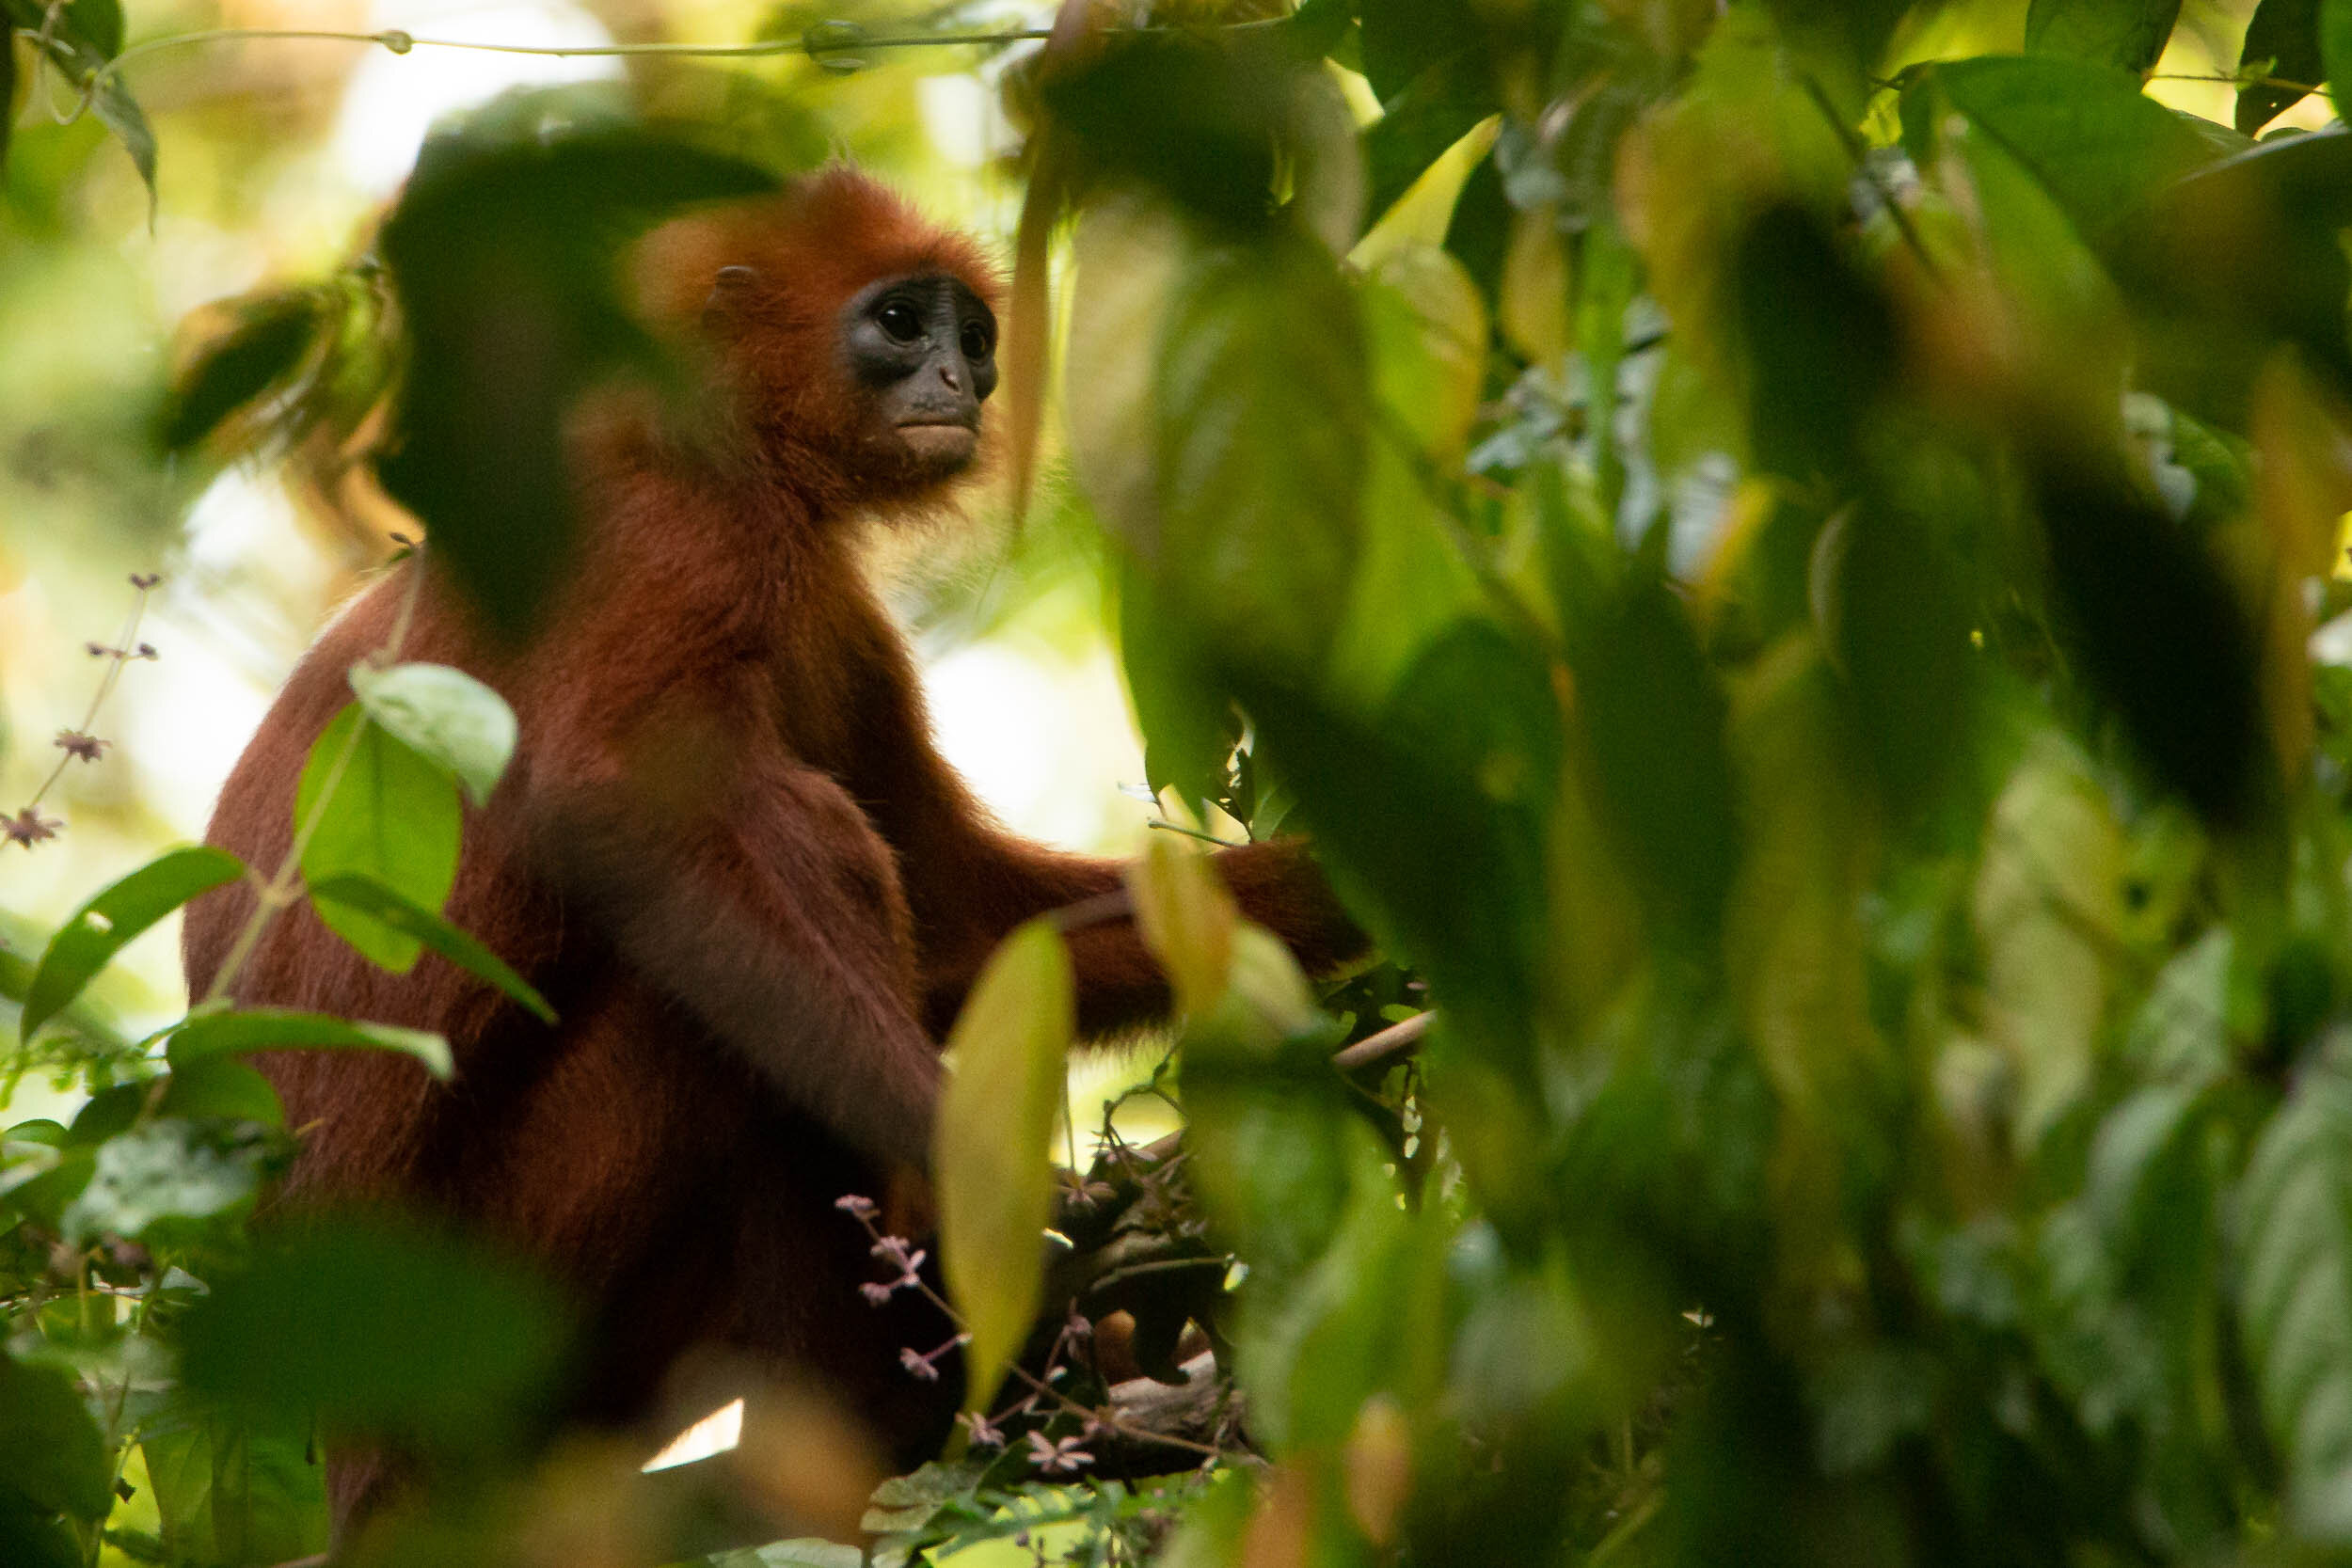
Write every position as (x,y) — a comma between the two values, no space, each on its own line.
(277,892)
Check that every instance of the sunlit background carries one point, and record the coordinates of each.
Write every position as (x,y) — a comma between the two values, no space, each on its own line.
(276,156)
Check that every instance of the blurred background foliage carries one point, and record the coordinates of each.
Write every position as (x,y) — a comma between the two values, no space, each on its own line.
(1788,554)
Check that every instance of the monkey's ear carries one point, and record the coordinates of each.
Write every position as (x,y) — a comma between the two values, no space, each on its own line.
(727,291)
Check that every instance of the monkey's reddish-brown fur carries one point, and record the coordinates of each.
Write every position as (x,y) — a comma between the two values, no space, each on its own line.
(727,852)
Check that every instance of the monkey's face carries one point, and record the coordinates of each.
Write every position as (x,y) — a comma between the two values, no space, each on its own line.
(922,352)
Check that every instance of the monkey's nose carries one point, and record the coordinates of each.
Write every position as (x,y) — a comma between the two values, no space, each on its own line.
(947,374)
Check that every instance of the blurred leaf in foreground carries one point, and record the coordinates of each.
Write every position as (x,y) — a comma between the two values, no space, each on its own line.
(992,1163)
(503,250)
(382,1330)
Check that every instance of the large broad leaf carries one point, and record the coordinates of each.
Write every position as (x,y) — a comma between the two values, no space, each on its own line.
(444,715)
(101,928)
(2294,1212)
(381,1331)
(394,817)
(363,896)
(50,1448)
(2086,132)
(2283,43)
(2129,33)
(209,1035)
(1262,449)
(502,250)
(992,1160)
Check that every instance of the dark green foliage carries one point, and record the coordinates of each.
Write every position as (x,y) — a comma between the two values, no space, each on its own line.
(383,1331)
(2158,632)
(2283,42)
(258,354)
(501,251)
(2129,33)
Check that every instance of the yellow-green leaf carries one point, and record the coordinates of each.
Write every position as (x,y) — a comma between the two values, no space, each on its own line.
(1186,917)
(992,1154)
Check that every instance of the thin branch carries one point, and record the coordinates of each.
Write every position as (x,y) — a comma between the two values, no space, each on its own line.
(1859,154)
(1166,827)
(1397,1040)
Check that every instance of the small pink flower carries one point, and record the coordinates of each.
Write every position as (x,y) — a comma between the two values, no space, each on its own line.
(876,1295)
(856,1207)
(983,1434)
(919,1364)
(29,827)
(1063,1458)
(85,748)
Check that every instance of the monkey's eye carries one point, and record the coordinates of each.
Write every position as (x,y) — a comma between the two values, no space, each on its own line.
(898,319)
(978,341)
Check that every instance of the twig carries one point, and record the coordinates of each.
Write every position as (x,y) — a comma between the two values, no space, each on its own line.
(1397,1039)
(1038,1387)
(125,647)
(1167,827)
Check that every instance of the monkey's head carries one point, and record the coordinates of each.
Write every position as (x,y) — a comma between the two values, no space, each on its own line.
(855,342)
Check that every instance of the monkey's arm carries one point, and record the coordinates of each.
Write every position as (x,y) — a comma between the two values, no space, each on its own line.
(969,882)
(772,912)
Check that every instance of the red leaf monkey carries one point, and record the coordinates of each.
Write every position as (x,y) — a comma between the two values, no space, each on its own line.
(726,849)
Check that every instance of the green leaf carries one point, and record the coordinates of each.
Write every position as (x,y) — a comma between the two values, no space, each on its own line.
(2047,902)
(501,251)
(2283,41)
(2085,131)
(1435,111)
(992,1159)
(50,1448)
(29,1538)
(232,372)
(209,1035)
(96,22)
(161,1170)
(1655,714)
(8,90)
(2335,53)
(219,1088)
(235,1491)
(119,113)
(2129,33)
(371,898)
(1263,445)
(444,715)
(394,817)
(100,928)
(381,1330)
(2157,631)
(2294,1208)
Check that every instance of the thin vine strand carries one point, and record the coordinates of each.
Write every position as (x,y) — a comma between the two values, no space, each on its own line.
(820,43)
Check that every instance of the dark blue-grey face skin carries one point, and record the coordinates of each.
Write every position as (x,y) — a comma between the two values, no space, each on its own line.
(926,347)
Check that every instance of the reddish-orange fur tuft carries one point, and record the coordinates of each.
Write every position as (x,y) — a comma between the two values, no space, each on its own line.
(726,851)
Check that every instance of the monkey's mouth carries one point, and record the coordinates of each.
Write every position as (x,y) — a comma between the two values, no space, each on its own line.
(939,440)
